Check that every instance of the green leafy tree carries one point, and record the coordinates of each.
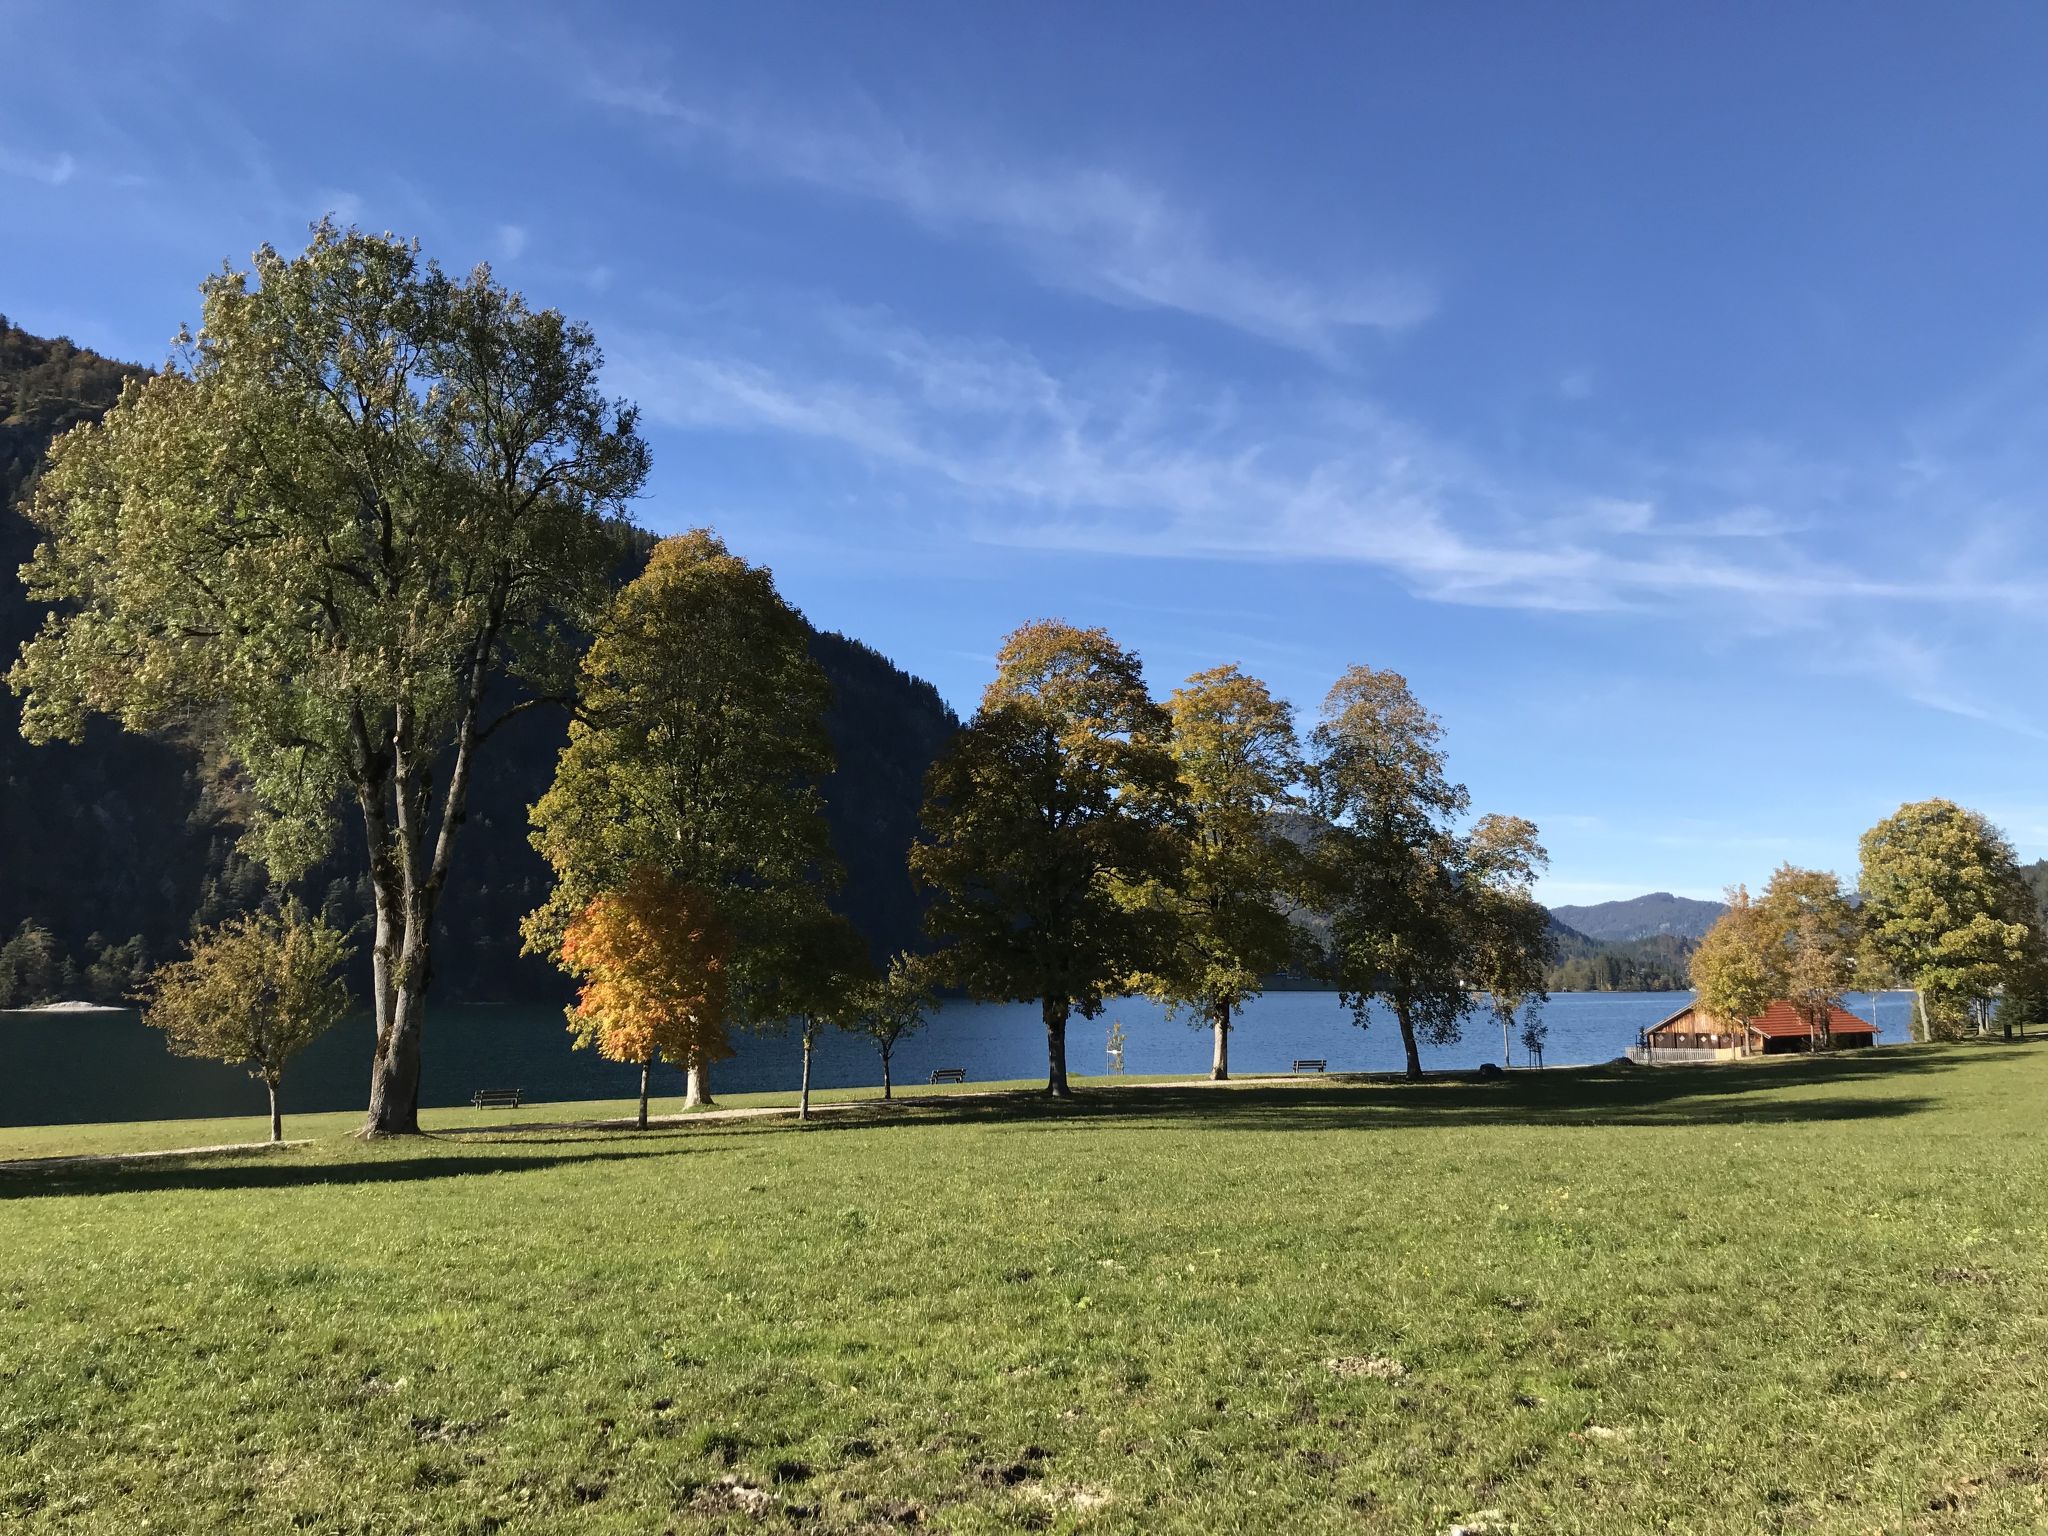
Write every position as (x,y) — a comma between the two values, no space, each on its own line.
(1229,928)
(253,992)
(893,1005)
(698,750)
(1406,896)
(1056,803)
(1738,970)
(31,967)
(1946,910)
(365,497)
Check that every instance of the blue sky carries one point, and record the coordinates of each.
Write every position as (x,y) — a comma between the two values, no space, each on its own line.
(1662,392)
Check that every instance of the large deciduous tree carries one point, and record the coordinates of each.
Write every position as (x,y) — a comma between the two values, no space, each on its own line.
(1945,909)
(253,991)
(698,752)
(364,497)
(1057,802)
(1419,912)
(653,957)
(1234,745)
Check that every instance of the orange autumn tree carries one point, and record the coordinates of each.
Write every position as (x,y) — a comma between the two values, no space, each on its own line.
(654,958)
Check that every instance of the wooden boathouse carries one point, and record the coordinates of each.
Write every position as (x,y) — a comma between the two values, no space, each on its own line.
(1694,1035)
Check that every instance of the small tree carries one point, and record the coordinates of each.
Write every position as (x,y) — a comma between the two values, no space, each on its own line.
(1234,745)
(888,1007)
(1055,804)
(1512,941)
(654,958)
(254,992)
(815,979)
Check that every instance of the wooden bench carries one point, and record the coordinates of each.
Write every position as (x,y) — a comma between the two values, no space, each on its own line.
(950,1075)
(495,1098)
(1311,1066)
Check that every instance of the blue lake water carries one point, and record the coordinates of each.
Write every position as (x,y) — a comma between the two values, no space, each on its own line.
(58,1068)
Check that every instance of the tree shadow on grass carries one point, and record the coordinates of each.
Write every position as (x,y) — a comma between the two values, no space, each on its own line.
(244,1171)
(1762,1093)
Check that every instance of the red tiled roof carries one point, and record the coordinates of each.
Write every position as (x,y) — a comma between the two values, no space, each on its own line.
(1782,1021)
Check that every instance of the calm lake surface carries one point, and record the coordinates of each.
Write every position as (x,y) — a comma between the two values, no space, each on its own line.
(57,1068)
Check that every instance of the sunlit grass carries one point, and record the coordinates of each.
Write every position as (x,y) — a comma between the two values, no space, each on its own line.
(1802,1297)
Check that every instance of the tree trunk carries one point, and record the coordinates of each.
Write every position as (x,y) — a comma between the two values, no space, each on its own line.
(1505,1061)
(1055,1010)
(1219,1067)
(409,858)
(395,1073)
(1408,1041)
(886,1052)
(276,1115)
(1920,1004)
(646,1067)
(697,1088)
(803,1101)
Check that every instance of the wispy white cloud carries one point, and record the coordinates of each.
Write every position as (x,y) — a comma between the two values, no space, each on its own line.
(52,170)
(1140,462)
(1089,229)
(512,241)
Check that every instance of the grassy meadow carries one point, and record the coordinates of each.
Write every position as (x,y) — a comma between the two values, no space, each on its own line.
(1803,1296)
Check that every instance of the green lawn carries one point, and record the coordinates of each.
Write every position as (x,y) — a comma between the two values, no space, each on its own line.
(1808,1296)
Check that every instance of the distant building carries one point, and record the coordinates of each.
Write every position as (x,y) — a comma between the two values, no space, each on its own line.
(1692,1035)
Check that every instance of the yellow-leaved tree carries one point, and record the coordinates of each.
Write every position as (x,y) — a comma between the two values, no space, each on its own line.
(654,957)
(253,992)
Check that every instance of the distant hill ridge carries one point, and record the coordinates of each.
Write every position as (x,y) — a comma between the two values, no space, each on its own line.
(1642,917)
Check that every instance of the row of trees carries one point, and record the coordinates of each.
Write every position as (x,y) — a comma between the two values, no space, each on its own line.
(1082,840)
(373,511)
(1941,908)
